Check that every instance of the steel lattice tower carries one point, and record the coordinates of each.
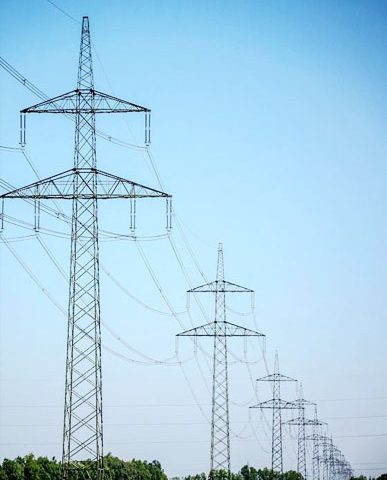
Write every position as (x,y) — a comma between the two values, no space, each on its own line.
(276,404)
(220,330)
(326,445)
(84,185)
(301,422)
(316,437)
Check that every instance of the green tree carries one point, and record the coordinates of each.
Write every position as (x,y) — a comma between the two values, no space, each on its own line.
(157,472)
(249,473)
(13,469)
(292,475)
(267,474)
(49,469)
(198,476)
(31,468)
(218,475)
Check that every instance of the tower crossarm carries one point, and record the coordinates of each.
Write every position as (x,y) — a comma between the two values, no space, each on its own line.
(61,186)
(301,402)
(276,377)
(302,421)
(316,436)
(93,101)
(325,441)
(219,329)
(275,403)
(221,286)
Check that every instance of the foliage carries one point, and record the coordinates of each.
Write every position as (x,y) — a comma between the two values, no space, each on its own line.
(249,473)
(42,468)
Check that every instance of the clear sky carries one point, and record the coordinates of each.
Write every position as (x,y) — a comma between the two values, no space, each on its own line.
(269,129)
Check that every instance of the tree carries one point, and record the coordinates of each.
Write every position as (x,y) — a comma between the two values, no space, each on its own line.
(292,475)
(249,473)
(267,474)
(13,469)
(198,476)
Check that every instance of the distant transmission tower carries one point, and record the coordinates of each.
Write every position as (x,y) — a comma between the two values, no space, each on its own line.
(325,459)
(276,404)
(84,185)
(220,329)
(316,437)
(301,422)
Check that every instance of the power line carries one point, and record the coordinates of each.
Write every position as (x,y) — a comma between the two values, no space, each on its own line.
(36,91)
(351,399)
(64,12)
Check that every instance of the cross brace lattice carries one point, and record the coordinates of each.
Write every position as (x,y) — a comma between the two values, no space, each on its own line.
(220,330)
(316,438)
(301,422)
(276,404)
(84,185)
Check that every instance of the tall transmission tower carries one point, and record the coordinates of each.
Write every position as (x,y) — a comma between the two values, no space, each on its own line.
(220,330)
(276,404)
(301,422)
(84,185)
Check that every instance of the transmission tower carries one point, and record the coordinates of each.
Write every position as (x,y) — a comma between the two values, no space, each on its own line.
(316,437)
(220,330)
(326,458)
(276,404)
(301,422)
(84,185)
(332,460)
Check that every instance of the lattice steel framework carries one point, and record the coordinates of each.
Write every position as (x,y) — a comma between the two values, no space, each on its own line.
(316,437)
(220,330)
(84,185)
(326,458)
(276,404)
(301,422)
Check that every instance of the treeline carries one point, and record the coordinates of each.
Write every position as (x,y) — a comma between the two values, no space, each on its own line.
(43,468)
(251,473)
(245,473)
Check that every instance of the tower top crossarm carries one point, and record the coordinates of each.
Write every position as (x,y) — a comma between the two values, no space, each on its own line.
(67,103)
(301,401)
(276,376)
(85,100)
(274,403)
(220,285)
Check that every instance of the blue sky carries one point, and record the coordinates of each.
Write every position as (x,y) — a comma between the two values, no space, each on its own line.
(268,127)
